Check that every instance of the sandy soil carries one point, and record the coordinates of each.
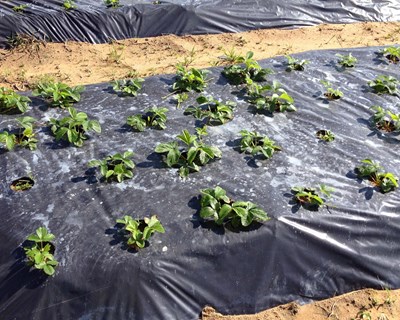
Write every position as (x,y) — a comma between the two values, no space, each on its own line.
(80,63)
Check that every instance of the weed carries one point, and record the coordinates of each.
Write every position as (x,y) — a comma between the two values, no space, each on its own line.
(140,231)
(231,57)
(215,204)
(39,255)
(112,3)
(189,80)
(74,128)
(117,166)
(384,84)
(325,135)
(331,94)
(347,61)
(11,102)
(69,5)
(371,170)
(58,94)
(128,86)
(24,43)
(385,119)
(180,98)
(154,117)
(254,144)
(214,111)
(187,61)
(115,54)
(192,156)
(391,53)
(25,136)
(20,9)
(311,198)
(295,64)
(364,315)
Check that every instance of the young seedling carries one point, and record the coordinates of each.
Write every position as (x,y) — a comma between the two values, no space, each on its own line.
(11,102)
(331,94)
(311,198)
(140,231)
(112,3)
(74,128)
(214,111)
(192,156)
(25,137)
(347,61)
(216,205)
(325,135)
(69,5)
(385,119)
(117,166)
(295,64)
(59,94)
(371,170)
(270,97)
(128,86)
(20,9)
(154,117)
(238,74)
(189,79)
(391,53)
(256,144)
(40,255)
(384,84)
(22,184)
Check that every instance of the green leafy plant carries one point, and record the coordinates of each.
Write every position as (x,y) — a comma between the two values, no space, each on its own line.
(331,94)
(69,5)
(325,135)
(188,159)
(385,119)
(347,61)
(254,144)
(140,231)
(215,204)
(374,172)
(248,68)
(117,166)
(391,53)
(25,137)
(311,198)
(189,79)
(270,97)
(295,64)
(74,128)
(154,117)
(384,84)
(128,86)
(214,111)
(11,102)
(112,3)
(22,184)
(20,9)
(40,255)
(58,94)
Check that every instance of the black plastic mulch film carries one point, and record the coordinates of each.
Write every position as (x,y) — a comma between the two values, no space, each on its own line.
(93,22)
(297,255)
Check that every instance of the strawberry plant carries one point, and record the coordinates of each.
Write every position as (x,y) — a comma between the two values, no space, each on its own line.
(270,97)
(112,3)
(140,231)
(58,94)
(22,184)
(214,111)
(11,102)
(40,255)
(331,94)
(384,84)
(117,166)
(69,5)
(385,119)
(215,204)
(374,172)
(325,135)
(311,198)
(189,80)
(347,61)
(128,86)
(188,159)
(295,64)
(154,117)
(391,53)
(74,128)
(25,136)
(237,74)
(254,144)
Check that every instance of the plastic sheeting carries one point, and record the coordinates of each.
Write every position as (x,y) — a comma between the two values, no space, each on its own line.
(93,22)
(297,255)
